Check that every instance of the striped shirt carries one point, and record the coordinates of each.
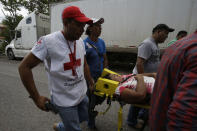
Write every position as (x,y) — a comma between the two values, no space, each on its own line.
(174,98)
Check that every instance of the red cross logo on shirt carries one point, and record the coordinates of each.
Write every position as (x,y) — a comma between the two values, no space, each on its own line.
(39,42)
(72,65)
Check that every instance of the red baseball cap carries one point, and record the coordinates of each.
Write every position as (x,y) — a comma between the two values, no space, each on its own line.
(74,12)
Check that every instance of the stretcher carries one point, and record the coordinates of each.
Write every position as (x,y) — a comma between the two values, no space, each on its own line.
(105,89)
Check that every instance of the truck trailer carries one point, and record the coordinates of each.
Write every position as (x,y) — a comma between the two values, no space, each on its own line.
(129,22)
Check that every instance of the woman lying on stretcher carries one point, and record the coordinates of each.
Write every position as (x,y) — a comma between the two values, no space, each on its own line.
(134,88)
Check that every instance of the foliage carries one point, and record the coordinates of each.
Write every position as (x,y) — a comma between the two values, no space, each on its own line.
(11,19)
(8,33)
(2,47)
(12,6)
(41,6)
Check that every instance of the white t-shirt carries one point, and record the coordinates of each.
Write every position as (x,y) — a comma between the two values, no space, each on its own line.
(66,88)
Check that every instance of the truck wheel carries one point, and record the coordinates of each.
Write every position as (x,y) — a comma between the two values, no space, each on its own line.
(10,54)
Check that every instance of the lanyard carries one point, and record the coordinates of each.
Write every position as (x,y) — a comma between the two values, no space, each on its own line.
(73,54)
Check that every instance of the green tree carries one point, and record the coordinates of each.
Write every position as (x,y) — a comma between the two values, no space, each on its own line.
(41,6)
(11,19)
(12,6)
(9,32)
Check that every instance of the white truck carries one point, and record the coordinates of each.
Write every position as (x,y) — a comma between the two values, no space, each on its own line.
(129,22)
(27,32)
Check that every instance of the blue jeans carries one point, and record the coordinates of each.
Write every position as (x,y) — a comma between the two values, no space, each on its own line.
(134,113)
(73,116)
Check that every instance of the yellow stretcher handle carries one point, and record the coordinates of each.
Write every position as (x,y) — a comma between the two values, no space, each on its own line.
(120,119)
(142,106)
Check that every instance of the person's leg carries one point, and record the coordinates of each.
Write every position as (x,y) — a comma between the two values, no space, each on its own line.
(143,117)
(91,113)
(83,110)
(132,115)
(70,119)
(92,103)
(142,113)
(57,126)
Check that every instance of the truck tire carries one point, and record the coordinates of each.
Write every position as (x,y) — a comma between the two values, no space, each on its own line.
(10,54)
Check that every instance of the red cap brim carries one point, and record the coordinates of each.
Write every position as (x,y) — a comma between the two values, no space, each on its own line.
(84,20)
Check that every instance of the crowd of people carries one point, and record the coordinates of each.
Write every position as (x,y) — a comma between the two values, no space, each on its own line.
(73,66)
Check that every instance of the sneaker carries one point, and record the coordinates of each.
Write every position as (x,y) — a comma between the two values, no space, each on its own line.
(140,121)
(55,126)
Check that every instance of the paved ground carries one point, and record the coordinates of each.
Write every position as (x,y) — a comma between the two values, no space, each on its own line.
(18,112)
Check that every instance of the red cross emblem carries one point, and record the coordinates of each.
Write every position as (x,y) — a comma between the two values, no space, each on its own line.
(72,65)
(39,42)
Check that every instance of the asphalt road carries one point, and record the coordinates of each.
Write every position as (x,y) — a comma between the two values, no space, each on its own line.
(18,112)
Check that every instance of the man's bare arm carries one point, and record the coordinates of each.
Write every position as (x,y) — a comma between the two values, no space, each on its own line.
(140,65)
(25,71)
(154,75)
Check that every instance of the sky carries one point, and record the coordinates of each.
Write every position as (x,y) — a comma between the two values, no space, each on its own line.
(22,12)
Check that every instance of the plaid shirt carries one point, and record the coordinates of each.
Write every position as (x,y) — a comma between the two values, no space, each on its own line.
(174,98)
